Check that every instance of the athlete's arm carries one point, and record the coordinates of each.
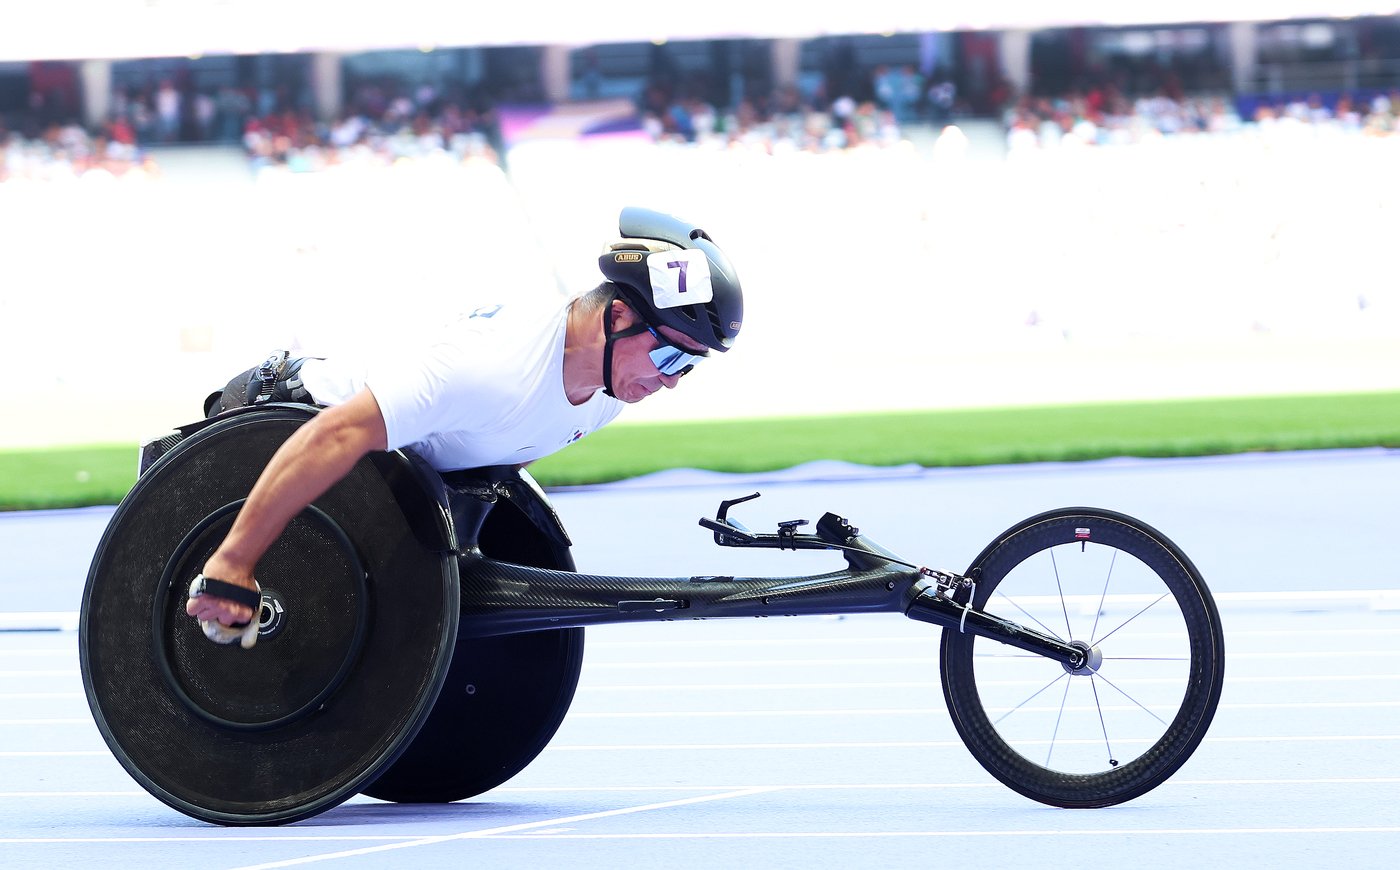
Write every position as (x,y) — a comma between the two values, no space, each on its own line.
(310,462)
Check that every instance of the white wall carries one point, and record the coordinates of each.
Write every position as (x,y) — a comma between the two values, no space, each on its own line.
(874,279)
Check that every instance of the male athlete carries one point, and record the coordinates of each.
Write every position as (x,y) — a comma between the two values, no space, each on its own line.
(501,386)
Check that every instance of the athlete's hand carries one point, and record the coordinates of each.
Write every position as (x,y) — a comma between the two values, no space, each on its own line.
(222,618)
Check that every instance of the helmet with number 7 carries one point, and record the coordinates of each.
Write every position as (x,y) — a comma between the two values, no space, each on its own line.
(672,274)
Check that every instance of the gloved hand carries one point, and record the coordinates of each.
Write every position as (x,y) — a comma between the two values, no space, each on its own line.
(245,633)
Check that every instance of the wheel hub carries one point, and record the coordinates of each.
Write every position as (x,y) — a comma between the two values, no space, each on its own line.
(1092,661)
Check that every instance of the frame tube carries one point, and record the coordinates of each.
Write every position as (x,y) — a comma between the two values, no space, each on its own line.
(503,598)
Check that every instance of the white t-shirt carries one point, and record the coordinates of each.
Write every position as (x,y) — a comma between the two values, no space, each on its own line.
(485,390)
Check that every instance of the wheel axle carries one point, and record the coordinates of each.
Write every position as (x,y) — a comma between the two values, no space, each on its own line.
(1091,662)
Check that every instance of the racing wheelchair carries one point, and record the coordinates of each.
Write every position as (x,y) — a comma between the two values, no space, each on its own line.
(421,634)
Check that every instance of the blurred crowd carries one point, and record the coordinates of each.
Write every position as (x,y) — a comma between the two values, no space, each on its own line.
(384,123)
(855,114)
(1105,117)
(381,125)
(63,152)
(769,127)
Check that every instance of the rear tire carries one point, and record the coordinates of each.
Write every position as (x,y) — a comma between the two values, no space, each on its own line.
(359,623)
(504,697)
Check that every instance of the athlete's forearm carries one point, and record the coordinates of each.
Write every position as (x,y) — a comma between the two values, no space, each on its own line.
(310,462)
(307,465)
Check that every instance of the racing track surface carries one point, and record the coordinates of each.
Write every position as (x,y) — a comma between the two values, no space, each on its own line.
(820,741)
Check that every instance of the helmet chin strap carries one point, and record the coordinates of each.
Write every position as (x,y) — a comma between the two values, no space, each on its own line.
(609,337)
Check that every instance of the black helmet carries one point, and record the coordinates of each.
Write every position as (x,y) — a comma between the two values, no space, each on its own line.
(694,290)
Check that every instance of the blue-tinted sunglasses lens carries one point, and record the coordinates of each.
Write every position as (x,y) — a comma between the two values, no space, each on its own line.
(672,360)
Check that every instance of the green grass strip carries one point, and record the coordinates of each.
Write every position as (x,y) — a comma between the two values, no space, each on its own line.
(68,477)
(60,477)
(987,436)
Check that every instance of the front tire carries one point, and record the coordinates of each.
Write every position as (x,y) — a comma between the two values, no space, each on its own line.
(1119,727)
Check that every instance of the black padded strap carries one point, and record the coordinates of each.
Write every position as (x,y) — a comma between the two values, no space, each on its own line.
(250,598)
(267,375)
(610,336)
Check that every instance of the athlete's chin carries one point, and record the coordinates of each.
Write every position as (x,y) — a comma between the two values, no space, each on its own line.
(635,394)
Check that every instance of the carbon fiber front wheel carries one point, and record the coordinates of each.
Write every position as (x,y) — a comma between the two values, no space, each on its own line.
(1129,718)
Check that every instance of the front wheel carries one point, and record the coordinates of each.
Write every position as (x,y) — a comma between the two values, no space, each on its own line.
(1123,723)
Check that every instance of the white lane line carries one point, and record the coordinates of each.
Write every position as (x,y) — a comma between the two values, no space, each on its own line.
(295,838)
(506,829)
(68,652)
(863,835)
(1374,600)
(933,744)
(1330,780)
(874,744)
(20,795)
(924,786)
(925,661)
(936,711)
(857,786)
(39,620)
(1292,633)
(823,712)
(900,661)
(910,684)
(399,841)
(827,713)
(817,639)
(917,662)
(934,684)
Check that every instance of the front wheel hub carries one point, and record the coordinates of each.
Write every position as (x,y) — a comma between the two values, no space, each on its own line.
(1092,661)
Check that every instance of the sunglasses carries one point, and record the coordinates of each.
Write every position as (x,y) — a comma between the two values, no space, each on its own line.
(670,359)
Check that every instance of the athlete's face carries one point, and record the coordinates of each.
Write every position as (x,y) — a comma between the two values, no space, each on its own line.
(635,372)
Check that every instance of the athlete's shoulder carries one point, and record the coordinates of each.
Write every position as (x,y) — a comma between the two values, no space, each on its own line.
(518,316)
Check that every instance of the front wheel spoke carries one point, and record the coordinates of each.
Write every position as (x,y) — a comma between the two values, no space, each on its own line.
(1125,622)
(1047,629)
(1103,596)
(1064,699)
(1037,693)
(1128,697)
(1103,726)
(1060,588)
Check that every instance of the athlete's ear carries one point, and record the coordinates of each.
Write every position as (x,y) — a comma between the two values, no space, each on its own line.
(623,315)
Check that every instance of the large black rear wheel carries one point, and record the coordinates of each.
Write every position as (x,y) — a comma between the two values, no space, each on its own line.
(504,697)
(358,619)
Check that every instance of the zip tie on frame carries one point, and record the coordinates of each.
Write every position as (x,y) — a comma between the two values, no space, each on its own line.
(962,623)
